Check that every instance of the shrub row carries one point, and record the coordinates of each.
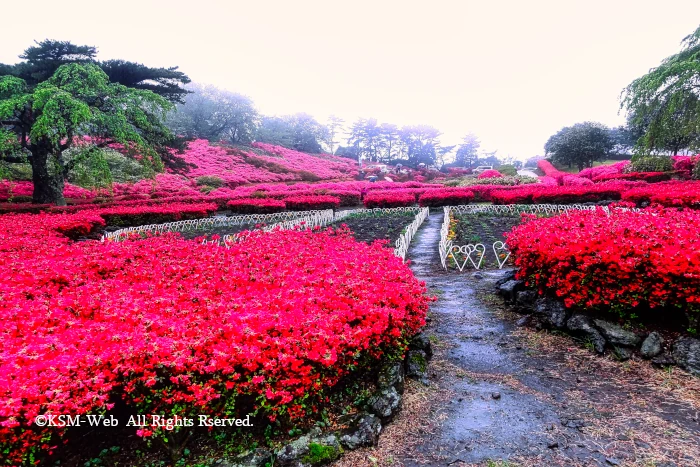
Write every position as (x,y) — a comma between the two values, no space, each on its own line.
(649,258)
(173,327)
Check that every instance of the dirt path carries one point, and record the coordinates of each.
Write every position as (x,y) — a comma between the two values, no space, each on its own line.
(501,395)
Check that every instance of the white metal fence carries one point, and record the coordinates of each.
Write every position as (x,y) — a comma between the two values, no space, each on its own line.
(209,223)
(282,220)
(472,255)
(405,238)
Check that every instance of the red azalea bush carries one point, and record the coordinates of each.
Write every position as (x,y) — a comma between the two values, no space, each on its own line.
(674,193)
(446,197)
(347,197)
(128,216)
(649,177)
(256,206)
(388,199)
(491,173)
(551,171)
(306,203)
(617,261)
(592,172)
(458,171)
(573,180)
(533,194)
(170,326)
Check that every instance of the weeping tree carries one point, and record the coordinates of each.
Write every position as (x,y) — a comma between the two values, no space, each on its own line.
(65,120)
(665,102)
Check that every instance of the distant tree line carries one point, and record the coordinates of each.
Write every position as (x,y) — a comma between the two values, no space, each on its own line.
(663,116)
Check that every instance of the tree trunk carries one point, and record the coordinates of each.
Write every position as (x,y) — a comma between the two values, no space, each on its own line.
(48,183)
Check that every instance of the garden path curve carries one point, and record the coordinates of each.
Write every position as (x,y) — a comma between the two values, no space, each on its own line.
(506,396)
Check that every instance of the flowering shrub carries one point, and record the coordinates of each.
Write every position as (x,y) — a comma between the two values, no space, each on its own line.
(388,199)
(505,180)
(490,174)
(322,166)
(23,190)
(256,205)
(174,327)
(649,177)
(346,197)
(127,216)
(548,181)
(557,195)
(446,197)
(458,171)
(305,203)
(592,172)
(551,171)
(573,180)
(615,262)
(680,194)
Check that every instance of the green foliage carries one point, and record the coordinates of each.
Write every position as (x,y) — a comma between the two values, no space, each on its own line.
(580,144)
(508,170)
(467,152)
(507,181)
(214,114)
(41,61)
(210,180)
(99,167)
(78,104)
(320,454)
(650,164)
(301,132)
(665,104)
(386,143)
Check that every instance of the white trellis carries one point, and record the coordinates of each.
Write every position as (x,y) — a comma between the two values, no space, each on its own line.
(472,255)
(208,223)
(405,238)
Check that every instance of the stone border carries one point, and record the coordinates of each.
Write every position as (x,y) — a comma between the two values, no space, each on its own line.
(317,448)
(600,335)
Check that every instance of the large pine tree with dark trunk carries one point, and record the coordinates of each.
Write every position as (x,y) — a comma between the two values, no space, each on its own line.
(76,108)
(60,97)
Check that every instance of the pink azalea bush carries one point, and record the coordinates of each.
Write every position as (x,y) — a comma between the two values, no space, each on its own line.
(170,326)
(490,174)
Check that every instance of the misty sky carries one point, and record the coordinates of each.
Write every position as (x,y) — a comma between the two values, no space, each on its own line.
(512,72)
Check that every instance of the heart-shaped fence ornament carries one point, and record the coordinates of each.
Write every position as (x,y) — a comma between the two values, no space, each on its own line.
(466,251)
(500,249)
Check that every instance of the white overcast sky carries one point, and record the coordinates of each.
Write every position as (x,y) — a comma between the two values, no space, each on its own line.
(512,72)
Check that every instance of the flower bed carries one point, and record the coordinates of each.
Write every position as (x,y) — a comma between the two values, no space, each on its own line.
(558,195)
(649,177)
(490,174)
(175,327)
(128,216)
(388,199)
(551,171)
(307,203)
(446,197)
(613,262)
(612,169)
(256,206)
(680,194)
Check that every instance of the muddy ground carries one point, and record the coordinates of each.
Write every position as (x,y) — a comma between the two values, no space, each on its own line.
(501,395)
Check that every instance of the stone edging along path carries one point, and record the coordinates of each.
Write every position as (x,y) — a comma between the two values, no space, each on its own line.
(683,351)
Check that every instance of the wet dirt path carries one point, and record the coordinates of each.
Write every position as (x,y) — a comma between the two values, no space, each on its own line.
(508,396)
